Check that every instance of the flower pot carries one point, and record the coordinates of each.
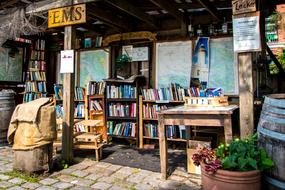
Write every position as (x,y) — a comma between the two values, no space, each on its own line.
(231,180)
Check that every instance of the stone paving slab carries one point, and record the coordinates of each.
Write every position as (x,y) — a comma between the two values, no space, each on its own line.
(89,174)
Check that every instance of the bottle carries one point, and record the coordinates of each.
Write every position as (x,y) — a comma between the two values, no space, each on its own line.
(199,31)
(225,27)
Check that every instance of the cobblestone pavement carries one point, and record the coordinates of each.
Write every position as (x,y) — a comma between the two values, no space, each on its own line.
(89,174)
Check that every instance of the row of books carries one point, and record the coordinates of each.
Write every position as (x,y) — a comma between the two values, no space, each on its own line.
(96,105)
(122,91)
(79,93)
(39,44)
(32,96)
(36,75)
(150,130)
(122,110)
(150,110)
(39,86)
(81,128)
(172,93)
(126,129)
(95,88)
(40,65)
(96,42)
(37,55)
(79,110)
(176,132)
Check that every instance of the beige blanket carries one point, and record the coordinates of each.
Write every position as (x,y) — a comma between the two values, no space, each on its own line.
(32,125)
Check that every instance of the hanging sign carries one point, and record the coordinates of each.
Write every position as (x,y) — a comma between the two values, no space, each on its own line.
(246,33)
(67,61)
(243,6)
(67,16)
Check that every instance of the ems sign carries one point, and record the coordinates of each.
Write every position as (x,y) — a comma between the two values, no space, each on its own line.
(67,16)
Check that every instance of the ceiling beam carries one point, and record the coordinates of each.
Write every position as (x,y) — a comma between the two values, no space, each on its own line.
(8,3)
(45,5)
(110,18)
(170,8)
(211,8)
(134,11)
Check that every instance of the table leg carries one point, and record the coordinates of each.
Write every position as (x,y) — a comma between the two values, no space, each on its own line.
(162,146)
(228,128)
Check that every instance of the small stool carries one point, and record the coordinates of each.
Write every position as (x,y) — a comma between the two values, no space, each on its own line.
(90,140)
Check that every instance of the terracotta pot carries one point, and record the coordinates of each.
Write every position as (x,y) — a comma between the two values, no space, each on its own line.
(231,180)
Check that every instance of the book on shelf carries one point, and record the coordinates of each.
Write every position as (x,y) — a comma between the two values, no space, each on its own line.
(96,105)
(79,110)
(150,130)
(81,128)
(122,110)
(150,110)
(79,93)
(172,93)
(59,111)
(95,88)
(29,96)
(121,91)
(58,91)
(35,86)
(35,75)
(39,44)
(98,41)
(176,132)
(124,129)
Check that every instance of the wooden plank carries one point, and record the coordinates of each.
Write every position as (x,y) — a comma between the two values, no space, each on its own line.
(68,99)
(228,129)
(162,147)
(190,119)
(134,11)
(140,122)
(42,6)
(246,94)
(171,8)
(210,8)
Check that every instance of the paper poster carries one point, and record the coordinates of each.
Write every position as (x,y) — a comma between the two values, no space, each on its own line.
(246,34)
(200,66)
(140,54)
(67,61)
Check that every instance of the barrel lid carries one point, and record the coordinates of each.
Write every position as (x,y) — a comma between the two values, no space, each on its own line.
(277,100)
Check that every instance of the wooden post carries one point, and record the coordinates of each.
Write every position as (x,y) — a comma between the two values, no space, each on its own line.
(68,100)
(246,94)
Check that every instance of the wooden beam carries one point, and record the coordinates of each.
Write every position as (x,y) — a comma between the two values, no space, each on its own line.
(211,8)
(134,11)
(169,7)
(246,94)
(106,17)
(45,5)
(68,99)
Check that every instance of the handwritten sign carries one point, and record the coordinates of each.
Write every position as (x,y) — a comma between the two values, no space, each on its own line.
(67,16)
(243,6)
(246,32)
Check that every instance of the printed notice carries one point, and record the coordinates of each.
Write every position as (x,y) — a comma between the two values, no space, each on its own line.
(67,61)
(246,34)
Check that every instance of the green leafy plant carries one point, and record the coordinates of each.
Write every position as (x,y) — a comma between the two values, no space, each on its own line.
(239,155)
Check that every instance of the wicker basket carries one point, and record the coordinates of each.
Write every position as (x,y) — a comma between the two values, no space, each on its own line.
(206,101)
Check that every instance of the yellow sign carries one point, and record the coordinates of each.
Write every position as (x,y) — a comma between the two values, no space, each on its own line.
(67,16)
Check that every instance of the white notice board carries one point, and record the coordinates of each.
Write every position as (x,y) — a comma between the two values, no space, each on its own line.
(246,32)
(173,63)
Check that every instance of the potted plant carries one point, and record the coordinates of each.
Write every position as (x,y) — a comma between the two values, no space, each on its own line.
(233,166)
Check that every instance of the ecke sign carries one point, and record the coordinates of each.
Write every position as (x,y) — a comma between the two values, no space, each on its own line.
(67,16)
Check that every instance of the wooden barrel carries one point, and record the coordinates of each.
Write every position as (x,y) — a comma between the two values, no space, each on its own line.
(271,129)
(7,106)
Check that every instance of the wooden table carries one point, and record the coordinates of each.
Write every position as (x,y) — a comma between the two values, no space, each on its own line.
(192,116)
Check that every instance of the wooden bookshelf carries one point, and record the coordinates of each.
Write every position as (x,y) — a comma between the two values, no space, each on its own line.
(123,93)
(151,120)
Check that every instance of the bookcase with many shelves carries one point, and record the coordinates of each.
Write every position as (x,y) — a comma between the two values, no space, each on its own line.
(35,85)
(122,108)
(95,106)
(153,101)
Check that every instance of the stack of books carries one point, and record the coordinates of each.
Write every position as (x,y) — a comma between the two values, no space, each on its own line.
(150,130)
(122,110)
(79,93)
(95,88)
(150,110)
(122,91)
(79,110)
(95,105)
(126,129)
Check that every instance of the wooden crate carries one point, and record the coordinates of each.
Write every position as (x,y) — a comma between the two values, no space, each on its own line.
(206,101)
